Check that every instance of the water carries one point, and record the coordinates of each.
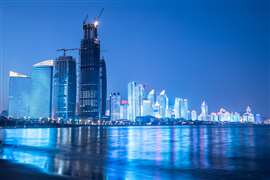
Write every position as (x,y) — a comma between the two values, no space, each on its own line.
(186,152)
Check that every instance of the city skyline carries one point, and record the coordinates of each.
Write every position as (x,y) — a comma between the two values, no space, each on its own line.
(248,73)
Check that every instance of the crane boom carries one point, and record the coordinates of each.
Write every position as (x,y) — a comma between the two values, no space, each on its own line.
(100,13)
(65,50)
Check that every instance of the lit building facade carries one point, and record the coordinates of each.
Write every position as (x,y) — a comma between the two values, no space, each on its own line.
(177,107)
(64,101)
(124,109)
(184,108)
(152,97)
(19,95)
(147,108)
(41,90)
(163,102)
(248,116)
(194,116)
(135,100)
(115,106)
(204,112)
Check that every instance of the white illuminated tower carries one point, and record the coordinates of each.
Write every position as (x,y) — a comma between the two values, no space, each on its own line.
(177,108)
(163,102)
(152,97)
(204,111)
(135,100)
(147,108)
(131,101)
(194,115)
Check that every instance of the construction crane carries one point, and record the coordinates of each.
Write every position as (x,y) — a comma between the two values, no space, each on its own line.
(95,19)
(70,49)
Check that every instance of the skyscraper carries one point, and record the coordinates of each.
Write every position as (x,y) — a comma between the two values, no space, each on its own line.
(139,96)
(103,86)
(147,108)
(163,101)
(124,109)
(131,101)
(115,106)
(152,97)
(184,108)
(93,85)
(64,100)
(204,112)
(194,115)
(135,100)
(177,107)
(41,90)
(19,95)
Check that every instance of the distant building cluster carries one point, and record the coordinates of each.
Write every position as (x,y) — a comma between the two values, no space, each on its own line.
(142,103)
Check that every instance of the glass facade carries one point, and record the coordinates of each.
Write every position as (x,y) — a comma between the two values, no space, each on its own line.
(135,100)
(115,106)
(64,100)
(41,90)
(164,104)
(19,95)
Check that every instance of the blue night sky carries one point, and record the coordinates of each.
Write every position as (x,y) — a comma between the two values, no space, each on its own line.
(213,50)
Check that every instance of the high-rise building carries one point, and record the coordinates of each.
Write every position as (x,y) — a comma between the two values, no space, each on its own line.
(19,95)
(124,109)
(135,100)
(177,107)
(93,88)
(163,101)
(147,108)
(152,97)
(64,100)
(115,106)
(139,96)
(194,115)
(41,90)
(204,112)
(103,87)
(248,116)
(184,108)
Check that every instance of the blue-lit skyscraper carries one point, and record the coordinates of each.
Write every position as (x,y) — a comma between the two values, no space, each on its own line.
(64,100)
(19,95)
(41,90)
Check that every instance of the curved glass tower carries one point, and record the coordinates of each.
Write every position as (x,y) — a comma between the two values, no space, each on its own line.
(41,94)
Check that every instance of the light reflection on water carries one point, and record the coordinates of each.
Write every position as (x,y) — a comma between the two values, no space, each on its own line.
(142,152)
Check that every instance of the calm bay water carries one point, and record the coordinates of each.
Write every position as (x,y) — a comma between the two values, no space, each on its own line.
(186,152)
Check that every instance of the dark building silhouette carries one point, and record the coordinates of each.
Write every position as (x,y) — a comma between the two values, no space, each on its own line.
(103,86)
(93,87)
(64,101)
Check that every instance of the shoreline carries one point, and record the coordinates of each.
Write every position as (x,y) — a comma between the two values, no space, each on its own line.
(137,125)
(14,170)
